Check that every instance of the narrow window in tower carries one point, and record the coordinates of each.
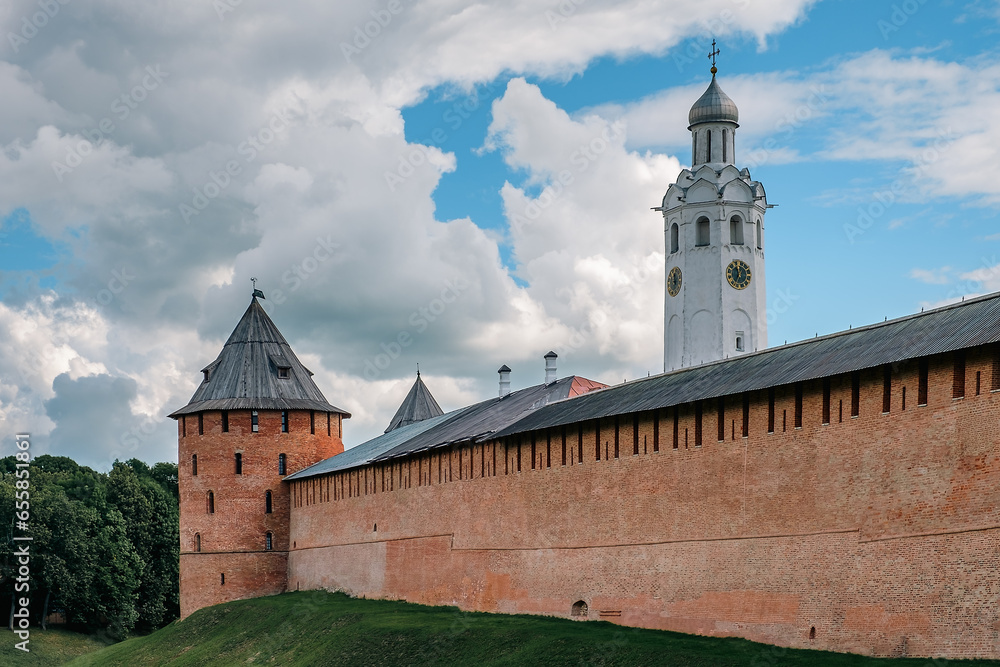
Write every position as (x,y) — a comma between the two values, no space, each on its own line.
(703,232)
(745,431)
(958,376)
(798,406)
(677,420)
(283,372)
(759,229)
(563,449)
(740,337)
(784,420)
(995,379)
(979,382)
(533,453)
(184,426)
(268,541)
(312,422)
(656,430)
(886,389)
(922,372)
(284,421)
(222,578)
(617,429)
(239,463)
(597,437)
(579,444)
(197,542)
(722,418)
(826,400)
(281,464)
(211,503)
(855,394)
(201,423)
(694,148)
(770,410)
(697,424)
(194,465)
(840,411)
(904,398)
(708,140)
(253,421)
(725,142)
(635,435)
(225,421)
(267,502)
(735,230)
(548,449)
(675,241)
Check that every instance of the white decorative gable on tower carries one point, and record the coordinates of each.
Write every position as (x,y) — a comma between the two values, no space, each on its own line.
(714,226)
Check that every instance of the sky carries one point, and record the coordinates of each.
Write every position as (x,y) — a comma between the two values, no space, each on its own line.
(390,171)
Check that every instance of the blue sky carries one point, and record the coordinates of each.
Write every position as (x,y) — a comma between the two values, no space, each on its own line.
(393,167)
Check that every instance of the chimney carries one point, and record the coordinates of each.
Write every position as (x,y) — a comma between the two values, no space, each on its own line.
(550,367)
(504,380)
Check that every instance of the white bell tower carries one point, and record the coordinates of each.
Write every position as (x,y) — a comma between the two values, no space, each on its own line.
(715,301)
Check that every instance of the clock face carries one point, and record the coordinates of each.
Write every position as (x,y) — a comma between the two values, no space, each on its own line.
(674,281)
(738,274)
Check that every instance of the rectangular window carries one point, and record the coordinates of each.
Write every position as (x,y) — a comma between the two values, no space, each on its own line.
(194,465)
(201,423)
(722,418)
(770,410)
(798,406)
(635,435)
(958,376)
(826,400)
(697,424)
(656,430)
(548,449)
(328,423)
(563,448)
(533,452)
(284,421)
(979,382)
(239,463)
(995,379)
(312,422)
(887,389)
(281,464)
(784,420)
(677,439)
(745,431)
(617,429)
(922,372)
(597,437)
(904,398)
(184,426)
(855,394)
(253,421)
(579,444)
(225,421)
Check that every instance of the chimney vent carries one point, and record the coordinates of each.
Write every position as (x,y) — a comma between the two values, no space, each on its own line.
(504,380)
(550,367)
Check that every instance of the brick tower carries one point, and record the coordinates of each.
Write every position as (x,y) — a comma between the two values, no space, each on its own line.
(256,417)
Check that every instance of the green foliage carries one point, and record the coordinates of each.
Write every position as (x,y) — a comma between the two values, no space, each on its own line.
(318,628)
(105,546)
(49,647)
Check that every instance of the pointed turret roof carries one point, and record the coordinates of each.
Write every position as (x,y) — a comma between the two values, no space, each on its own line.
(257,370)
(418,405)
(714,106)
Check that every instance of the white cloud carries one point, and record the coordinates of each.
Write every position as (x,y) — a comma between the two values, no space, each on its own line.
(940,276)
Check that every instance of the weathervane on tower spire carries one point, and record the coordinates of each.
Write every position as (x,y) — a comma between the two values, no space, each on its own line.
(712,55)
(256,292)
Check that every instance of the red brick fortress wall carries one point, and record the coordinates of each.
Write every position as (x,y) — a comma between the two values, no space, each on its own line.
(231,540)
(876,533)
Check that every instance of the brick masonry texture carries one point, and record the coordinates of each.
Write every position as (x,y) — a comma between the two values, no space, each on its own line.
(233,537)
(879,531)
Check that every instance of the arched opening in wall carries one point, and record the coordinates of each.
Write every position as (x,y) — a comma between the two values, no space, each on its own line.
(239,463)
(268,541)
(760,234)
(194,465)
(703,233)
(675,241)
(267,502)
(708,140)
(375,528)
(725,142)
(812,632)
(282,467)
(735,230)
(579,609)
(211,502)
(197,542)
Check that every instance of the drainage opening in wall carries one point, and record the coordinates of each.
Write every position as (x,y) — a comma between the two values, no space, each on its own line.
(812,632)
(579,609)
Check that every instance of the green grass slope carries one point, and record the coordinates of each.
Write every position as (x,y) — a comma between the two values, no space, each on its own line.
(47,647)
(318,628)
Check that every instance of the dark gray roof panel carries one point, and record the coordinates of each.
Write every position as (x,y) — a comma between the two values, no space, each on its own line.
(418,405)
(245,374)
(959,326)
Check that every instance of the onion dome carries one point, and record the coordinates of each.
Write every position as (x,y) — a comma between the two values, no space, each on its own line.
(714,107)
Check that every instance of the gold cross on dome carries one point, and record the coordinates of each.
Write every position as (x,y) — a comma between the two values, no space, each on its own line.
(712,55)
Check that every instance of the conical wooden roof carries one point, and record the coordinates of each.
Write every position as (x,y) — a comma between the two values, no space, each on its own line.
(257,370)
(418,405)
